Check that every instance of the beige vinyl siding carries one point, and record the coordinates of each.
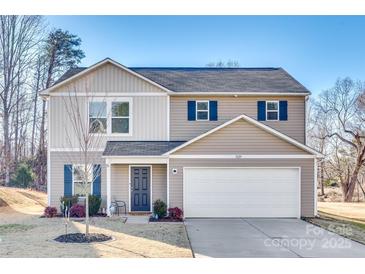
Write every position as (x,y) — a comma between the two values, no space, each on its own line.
(109,79)
(306,165)
(241,137)
(149,121)
(120,182)
(230,107)
(58,160)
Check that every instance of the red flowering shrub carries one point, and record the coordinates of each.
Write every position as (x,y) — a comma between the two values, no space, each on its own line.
(176,213)
(77,211)
(50,212)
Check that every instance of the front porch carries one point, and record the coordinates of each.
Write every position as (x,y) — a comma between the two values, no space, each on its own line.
(136,181)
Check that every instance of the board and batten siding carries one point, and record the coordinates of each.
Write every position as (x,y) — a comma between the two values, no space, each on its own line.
(306,165)
(149,121)
(58,160)
(109,79)
(230,107)
(240,138)
(120,182)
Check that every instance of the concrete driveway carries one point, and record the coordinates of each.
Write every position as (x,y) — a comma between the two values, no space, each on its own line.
(280,238)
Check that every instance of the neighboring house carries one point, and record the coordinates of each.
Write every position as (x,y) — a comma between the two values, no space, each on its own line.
(216,142)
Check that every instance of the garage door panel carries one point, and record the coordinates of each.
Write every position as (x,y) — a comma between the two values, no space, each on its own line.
(241,192)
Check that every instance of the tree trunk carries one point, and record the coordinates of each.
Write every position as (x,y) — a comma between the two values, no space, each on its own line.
(87,223)
(6,147)
(34,118)
(350,186)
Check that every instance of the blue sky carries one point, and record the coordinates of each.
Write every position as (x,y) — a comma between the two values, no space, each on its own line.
(316,50)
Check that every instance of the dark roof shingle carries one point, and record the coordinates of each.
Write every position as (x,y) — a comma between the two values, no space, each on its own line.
(223,79)
(260,80)
(139,148)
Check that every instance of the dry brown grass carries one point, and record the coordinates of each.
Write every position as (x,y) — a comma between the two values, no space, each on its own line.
(355,211)
(24,234)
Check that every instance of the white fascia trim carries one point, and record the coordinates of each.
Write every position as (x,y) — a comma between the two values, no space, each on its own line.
(256,123)
(108,94)
(315,187)
(135,160)
(48,156)
(107,60)
(61,149)
(238,156)
(168,118)
(242,93)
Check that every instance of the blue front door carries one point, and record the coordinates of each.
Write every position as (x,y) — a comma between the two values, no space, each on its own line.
(140,188)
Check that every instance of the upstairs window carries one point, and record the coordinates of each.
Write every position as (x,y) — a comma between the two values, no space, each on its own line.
(202,110)
(272,110)
(97,117)
(120,117)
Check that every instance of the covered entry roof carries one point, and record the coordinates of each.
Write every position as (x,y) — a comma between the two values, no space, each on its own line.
(139,148)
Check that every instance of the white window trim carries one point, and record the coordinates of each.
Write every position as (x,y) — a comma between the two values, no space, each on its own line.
(73,184)
(202,110)
(109,101)
(119,117)
(267,110)
(98,100)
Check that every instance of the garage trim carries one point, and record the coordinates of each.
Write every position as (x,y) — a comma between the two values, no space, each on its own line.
(246,167)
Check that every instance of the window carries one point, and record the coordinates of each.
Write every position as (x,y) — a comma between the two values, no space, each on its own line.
(97,117)
(202,110)
(120,117)
(79,176)
(272,110)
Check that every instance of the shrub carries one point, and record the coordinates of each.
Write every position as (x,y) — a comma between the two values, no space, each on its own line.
(77,211)
(94,204)
(50,212)
(23,176)
(68,202)
(159,208)
(176,213)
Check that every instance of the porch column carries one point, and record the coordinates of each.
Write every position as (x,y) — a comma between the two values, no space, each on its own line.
(108,187)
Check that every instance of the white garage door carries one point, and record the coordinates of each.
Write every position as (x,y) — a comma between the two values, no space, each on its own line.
(241,192)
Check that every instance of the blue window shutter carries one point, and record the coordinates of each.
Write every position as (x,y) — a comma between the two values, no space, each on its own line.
(283,109)
(213,110)
(97,180)
(191,110)
(67,177)
(261,110)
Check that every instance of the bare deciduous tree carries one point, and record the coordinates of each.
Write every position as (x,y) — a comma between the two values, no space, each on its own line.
(85,140)
(221,64)
(18,38)
(343,107)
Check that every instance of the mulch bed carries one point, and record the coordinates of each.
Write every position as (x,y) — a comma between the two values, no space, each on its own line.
(81,238)
(166,219)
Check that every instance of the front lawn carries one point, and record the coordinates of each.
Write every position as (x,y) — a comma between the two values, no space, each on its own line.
(349,211)
(35,238)
(353,230)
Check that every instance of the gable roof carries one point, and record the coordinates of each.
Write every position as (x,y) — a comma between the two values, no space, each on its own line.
(74,73)
(139,148)
(259,125)
(205,80)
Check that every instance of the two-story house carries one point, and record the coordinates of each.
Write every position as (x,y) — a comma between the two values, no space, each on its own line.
(216,142)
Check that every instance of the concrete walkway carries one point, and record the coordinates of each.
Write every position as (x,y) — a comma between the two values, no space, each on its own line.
(263,238)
